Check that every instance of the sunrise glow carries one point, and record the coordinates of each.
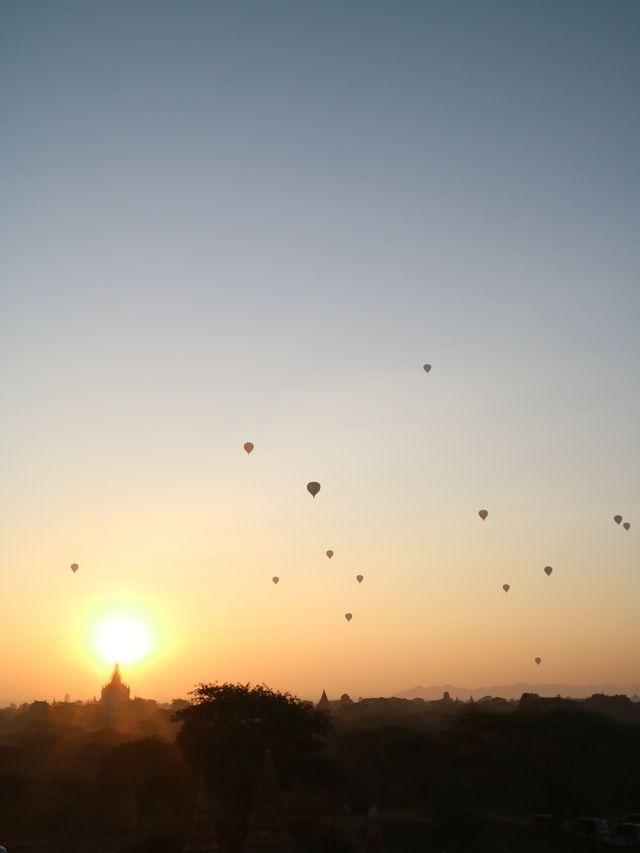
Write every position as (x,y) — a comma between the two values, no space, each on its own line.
(291,280)
(122,639)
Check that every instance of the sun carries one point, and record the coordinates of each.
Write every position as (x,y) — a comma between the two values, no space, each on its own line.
(122,639)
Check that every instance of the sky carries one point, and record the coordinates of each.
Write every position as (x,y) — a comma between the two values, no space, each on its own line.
(255,221)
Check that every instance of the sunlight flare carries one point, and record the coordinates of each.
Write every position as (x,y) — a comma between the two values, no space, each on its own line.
(122,639)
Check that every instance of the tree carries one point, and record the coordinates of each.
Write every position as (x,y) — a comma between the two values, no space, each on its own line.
(224,735)
(149,775)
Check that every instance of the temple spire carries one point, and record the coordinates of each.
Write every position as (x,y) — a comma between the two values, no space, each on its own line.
(116,693)
(324,701)
(268,829)
(201,838)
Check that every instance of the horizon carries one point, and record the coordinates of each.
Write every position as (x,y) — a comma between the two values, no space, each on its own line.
(257,223)
(631,690)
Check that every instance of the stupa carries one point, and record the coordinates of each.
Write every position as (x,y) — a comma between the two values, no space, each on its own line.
(268,828)
(201,838)
(324,703)
(116,693)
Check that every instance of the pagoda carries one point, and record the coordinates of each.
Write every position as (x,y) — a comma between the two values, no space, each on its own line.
(268,829)
(324,703)
(201,838)
(116,693)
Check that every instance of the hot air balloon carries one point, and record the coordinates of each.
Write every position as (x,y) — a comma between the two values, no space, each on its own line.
(275,580)
(313,488)
(348,616)
(329,553)
(538,661)
(626,525)
(74,567)
(617,519)
(359,578)
(547,570)
(426,367)
(506,587)
(248,446)
(483,513)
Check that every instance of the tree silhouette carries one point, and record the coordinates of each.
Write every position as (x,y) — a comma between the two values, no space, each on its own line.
(224,735)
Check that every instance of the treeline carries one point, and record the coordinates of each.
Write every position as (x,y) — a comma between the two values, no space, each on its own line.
(70,768)
(536,755)
(67,771)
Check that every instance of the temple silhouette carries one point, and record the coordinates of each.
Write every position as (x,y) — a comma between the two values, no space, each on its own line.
(201,838)
(268,827)
(115,693)
(268,830)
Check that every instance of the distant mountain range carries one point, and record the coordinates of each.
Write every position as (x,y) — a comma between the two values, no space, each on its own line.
(515,691)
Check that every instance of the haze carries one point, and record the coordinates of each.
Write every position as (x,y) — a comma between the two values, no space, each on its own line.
(230,222)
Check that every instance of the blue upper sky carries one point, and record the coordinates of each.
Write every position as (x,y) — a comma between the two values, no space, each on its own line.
(231,221)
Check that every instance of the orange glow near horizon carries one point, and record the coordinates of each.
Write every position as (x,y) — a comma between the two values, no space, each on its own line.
(122,640)
(118,631)
(264,258)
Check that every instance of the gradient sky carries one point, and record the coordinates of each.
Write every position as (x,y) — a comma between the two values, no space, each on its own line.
(233,221)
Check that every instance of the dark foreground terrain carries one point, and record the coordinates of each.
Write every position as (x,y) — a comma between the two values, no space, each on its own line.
(401,834)
(445,776)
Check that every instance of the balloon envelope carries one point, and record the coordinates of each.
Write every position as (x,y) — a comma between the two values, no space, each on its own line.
(506,587)
(538,661)
(626,525)
(329,554)
(74,567)
(426,367)
(313,488)
(348,616)
(248,446)
(617,519)
(359,578)
(483,514)
(275,580)
(547,570)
